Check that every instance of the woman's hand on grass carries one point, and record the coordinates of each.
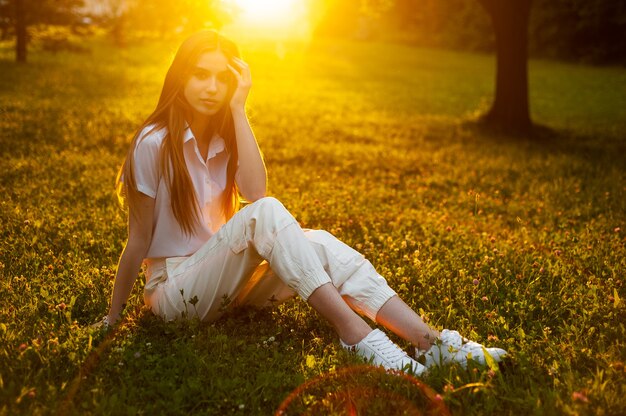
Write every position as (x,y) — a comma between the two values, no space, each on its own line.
(104,323)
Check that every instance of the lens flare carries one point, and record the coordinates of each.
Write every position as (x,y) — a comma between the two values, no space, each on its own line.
(363,389)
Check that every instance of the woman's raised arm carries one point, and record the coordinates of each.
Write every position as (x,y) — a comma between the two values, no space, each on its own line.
(251,176)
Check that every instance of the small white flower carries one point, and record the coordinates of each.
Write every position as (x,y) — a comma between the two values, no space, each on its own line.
(242,406)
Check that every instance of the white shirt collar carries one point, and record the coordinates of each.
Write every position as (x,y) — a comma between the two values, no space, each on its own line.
(216,146)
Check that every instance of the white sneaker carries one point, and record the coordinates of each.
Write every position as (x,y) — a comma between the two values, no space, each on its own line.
(451,347)
(378,348)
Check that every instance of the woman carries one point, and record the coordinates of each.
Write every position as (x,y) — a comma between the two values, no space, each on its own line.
(183,175)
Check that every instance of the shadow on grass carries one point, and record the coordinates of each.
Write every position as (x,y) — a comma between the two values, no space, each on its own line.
(192,366)
(602,151)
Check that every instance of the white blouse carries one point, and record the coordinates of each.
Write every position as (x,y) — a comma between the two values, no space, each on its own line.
(209,180)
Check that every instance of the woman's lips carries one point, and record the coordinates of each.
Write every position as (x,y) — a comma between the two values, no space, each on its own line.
(209,101)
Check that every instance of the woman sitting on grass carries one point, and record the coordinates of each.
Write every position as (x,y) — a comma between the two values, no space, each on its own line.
(185,170)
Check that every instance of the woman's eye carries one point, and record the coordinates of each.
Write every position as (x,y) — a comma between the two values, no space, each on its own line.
(201,75)
(223,77)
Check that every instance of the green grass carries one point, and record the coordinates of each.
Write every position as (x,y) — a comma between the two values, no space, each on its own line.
(368,141)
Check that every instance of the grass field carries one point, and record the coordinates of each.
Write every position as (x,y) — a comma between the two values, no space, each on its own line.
(516,243)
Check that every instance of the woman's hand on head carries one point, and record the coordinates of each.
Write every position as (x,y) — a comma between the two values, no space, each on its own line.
(241,72)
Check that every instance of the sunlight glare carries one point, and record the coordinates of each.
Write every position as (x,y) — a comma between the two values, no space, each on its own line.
(271,19)
(264,10)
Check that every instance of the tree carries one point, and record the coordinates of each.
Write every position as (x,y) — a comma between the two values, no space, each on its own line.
(510,108)
(442,23)
(20,14)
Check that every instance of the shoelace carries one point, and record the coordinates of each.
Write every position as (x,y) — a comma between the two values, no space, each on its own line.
(388,349)
(455,340)
(456,343)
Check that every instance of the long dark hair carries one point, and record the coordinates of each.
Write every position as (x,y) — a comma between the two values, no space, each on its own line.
(170,113)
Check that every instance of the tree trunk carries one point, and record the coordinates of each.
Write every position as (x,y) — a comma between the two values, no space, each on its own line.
(20,31)
(510,107)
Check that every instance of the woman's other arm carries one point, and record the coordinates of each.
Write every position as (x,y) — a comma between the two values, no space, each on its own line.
(251,176)
(139,239)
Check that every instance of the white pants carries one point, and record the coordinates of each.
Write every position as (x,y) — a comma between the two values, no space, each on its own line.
(232,268)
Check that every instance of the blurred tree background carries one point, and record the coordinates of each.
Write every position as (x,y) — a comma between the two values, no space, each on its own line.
(585,31)
(16,16)
(589,31)
(59,24)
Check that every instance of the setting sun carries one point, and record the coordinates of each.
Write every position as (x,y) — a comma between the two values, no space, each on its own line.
(264,10)
(271,19)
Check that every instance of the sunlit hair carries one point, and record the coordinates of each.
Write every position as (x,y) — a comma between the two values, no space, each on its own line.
(172,112)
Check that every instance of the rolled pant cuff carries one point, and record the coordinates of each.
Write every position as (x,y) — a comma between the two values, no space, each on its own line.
(377,300)
(309,284)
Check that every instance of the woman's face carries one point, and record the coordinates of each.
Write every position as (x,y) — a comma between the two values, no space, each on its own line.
(206,89)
